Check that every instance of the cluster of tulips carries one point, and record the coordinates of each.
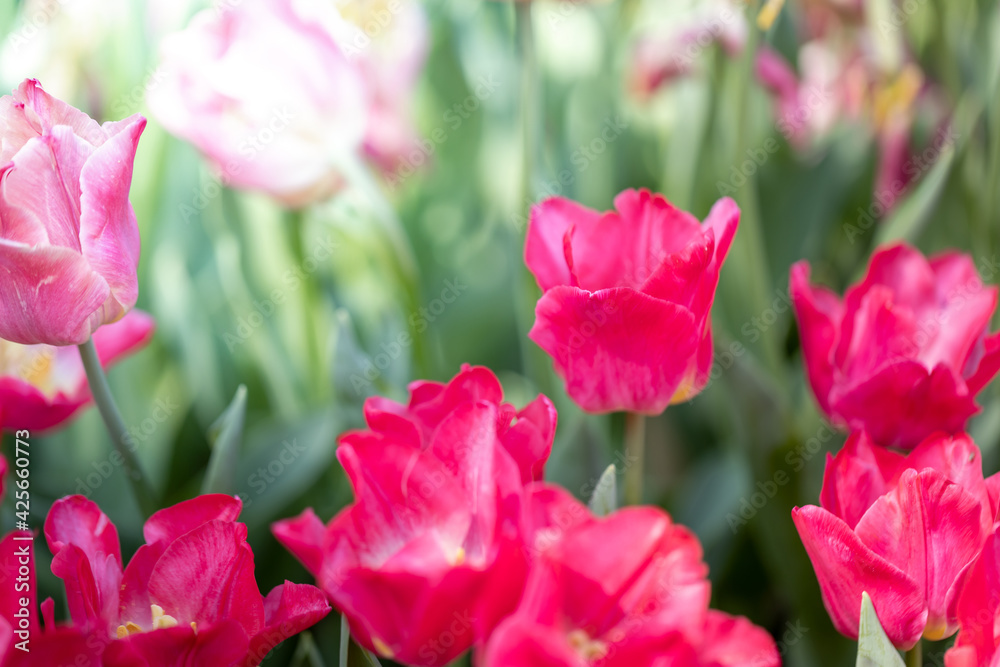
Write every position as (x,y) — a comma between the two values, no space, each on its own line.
(455,542)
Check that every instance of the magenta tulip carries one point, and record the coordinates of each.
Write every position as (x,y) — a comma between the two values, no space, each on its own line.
(625,312)
(69,243)
(43,387)
(902,528)
(187,597)
(629,589)
(431,555)
(904,354)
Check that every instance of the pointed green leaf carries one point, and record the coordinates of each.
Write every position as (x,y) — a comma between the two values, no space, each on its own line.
(352,655)
(605,498)
(226,437)
(874,647)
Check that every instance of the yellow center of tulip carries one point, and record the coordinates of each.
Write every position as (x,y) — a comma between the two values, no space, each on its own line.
(586,647)
(365,14)
(381,647)
(160,621)
(31,363)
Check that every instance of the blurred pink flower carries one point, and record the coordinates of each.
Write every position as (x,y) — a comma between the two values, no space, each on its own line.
(69,243)
(625,312)
(285,96)
(43,387)
(662,55)
(906,351)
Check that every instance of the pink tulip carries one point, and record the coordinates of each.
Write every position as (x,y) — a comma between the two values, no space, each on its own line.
(69,243)
(187,597)
(663,55)
(43,387)
(978,642)
(389,45)
(906,351)
(902,528)
(627,300)
(642,601)
(265,90)
(431,555)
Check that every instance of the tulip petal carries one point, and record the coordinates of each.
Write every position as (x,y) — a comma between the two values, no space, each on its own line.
(288,609)
(902,403)
(616,349)
(109,235)
(987,366)
(401,494)
(51,112)
(303,536)
(207,576)
(222,643)
(544,250)
(931,529)
(733,641)
(78,521)
(48,295)
(171,523)
(521,643)
(857,476)
(529,439)
(819,313)
(978,606)
(845,568)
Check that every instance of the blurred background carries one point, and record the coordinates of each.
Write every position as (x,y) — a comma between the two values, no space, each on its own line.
(836,125)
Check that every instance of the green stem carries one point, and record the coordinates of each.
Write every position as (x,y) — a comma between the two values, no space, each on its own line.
(635,454)
(915,656)
(121,439)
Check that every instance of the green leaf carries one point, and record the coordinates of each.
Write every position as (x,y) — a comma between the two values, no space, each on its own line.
(352,655)
(874,647)
(605,498)
(306,653)
(226,437)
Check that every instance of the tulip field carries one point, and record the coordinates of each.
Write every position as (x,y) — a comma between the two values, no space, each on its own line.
(499,333)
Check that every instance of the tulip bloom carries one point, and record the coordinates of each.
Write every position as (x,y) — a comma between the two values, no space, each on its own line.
(627,295)
(188,596)
(69,243)
(431,554)
(266,92)
(906,351)
(42,387)
(629,589)
(978,642)
(902,528)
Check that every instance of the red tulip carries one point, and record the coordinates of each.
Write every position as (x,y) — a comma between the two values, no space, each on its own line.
(906,351)
(625,313)
(187,597)
(642,602)
(42,387)
(69,243)
(902,528)
(978,642)
(431,554)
